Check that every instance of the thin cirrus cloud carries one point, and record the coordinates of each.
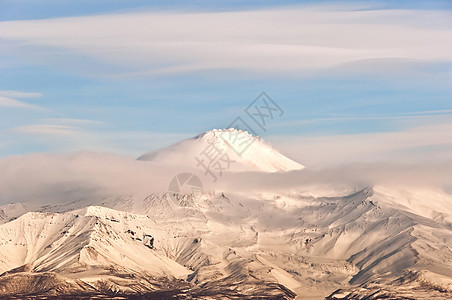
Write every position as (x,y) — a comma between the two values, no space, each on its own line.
(408,116)
(63,135)
(8,98)
(10,102)
(419,144)
(47,129)
(19,94)
(72,121)
(292,40)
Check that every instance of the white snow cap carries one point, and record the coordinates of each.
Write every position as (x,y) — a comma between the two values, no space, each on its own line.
(245,151)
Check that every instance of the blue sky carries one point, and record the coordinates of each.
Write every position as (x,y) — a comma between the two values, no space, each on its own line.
(127,77)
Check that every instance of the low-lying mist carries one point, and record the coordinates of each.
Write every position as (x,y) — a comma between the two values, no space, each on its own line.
(41,179)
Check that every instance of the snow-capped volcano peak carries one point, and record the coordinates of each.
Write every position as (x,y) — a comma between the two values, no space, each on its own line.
(216,135)
(229,139)
(244,151)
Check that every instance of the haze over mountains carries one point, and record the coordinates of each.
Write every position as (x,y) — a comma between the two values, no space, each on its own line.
(100,224)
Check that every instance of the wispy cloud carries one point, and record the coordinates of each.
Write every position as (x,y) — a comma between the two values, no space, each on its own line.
(47,129)
(10,102)
(298,39)
(426,143)
(399,116)
(10,98)
(19,94)
(71,135)
(71,121)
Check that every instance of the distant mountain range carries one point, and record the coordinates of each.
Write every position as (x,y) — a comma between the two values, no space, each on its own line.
(375,242)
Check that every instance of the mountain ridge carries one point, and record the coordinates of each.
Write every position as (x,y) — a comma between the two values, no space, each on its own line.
(344,241)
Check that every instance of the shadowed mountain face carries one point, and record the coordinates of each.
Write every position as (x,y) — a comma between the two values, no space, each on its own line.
(371,243)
